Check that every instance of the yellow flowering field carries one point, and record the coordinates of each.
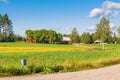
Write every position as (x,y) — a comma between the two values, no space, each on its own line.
(39,49)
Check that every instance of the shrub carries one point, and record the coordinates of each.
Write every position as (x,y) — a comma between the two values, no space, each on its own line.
(57,68)
(12,71)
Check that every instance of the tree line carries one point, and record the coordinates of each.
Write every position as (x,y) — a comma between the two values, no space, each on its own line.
(103,33)
(43,36)
(6,30)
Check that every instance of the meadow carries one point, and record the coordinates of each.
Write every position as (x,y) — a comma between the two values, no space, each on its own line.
(52,58)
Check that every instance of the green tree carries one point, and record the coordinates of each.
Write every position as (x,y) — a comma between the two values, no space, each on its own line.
(114,38)
(74,36)
(103,30)
(5,26)
(118,31)
(8,34)
(29,34)
(43,36)
(59,37)
(66,35)
(1,27)
(93,37)
(110,39)
(86,38)
(52,36)
(18,38)
(36,35)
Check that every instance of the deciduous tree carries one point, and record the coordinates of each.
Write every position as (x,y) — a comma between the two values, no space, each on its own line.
(103,30)
(86,38)
(74,36)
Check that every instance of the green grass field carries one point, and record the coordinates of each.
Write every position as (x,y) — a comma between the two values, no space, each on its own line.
(57,61)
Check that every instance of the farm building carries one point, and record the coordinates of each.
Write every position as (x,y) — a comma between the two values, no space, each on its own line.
(97,41)
(66,40)
(29,41)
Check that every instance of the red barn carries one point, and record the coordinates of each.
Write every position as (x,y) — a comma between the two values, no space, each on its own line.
(29,41)
(67,40)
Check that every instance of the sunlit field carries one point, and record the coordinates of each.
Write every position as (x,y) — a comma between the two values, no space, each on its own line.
(51,58)
(23,47)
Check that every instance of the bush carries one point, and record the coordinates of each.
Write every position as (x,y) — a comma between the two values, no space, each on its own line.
(12,71)
(35,69)
(57,68)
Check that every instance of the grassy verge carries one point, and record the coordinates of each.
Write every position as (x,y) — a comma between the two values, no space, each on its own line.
(57,61)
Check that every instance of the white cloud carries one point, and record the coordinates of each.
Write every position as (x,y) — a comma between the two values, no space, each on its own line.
(111,5)
(112,26)
(92,28)
(96,12)
(108,9)
(115,13)
(4,1)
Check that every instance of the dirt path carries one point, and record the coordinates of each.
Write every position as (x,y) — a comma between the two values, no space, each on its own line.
(108,73)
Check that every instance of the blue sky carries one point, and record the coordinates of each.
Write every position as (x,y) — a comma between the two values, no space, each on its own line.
(60,15)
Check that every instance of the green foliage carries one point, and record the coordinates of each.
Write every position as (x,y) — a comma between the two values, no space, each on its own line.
(18,38)
(110,39)
(66,35)
(57,68)
(6,29)
(29,34)
(52,36)
(86,38)
(118,30)
(12,71)
(115,38)
(43,36)
(74,36)
(102,30)
(59,37)
(34,69)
